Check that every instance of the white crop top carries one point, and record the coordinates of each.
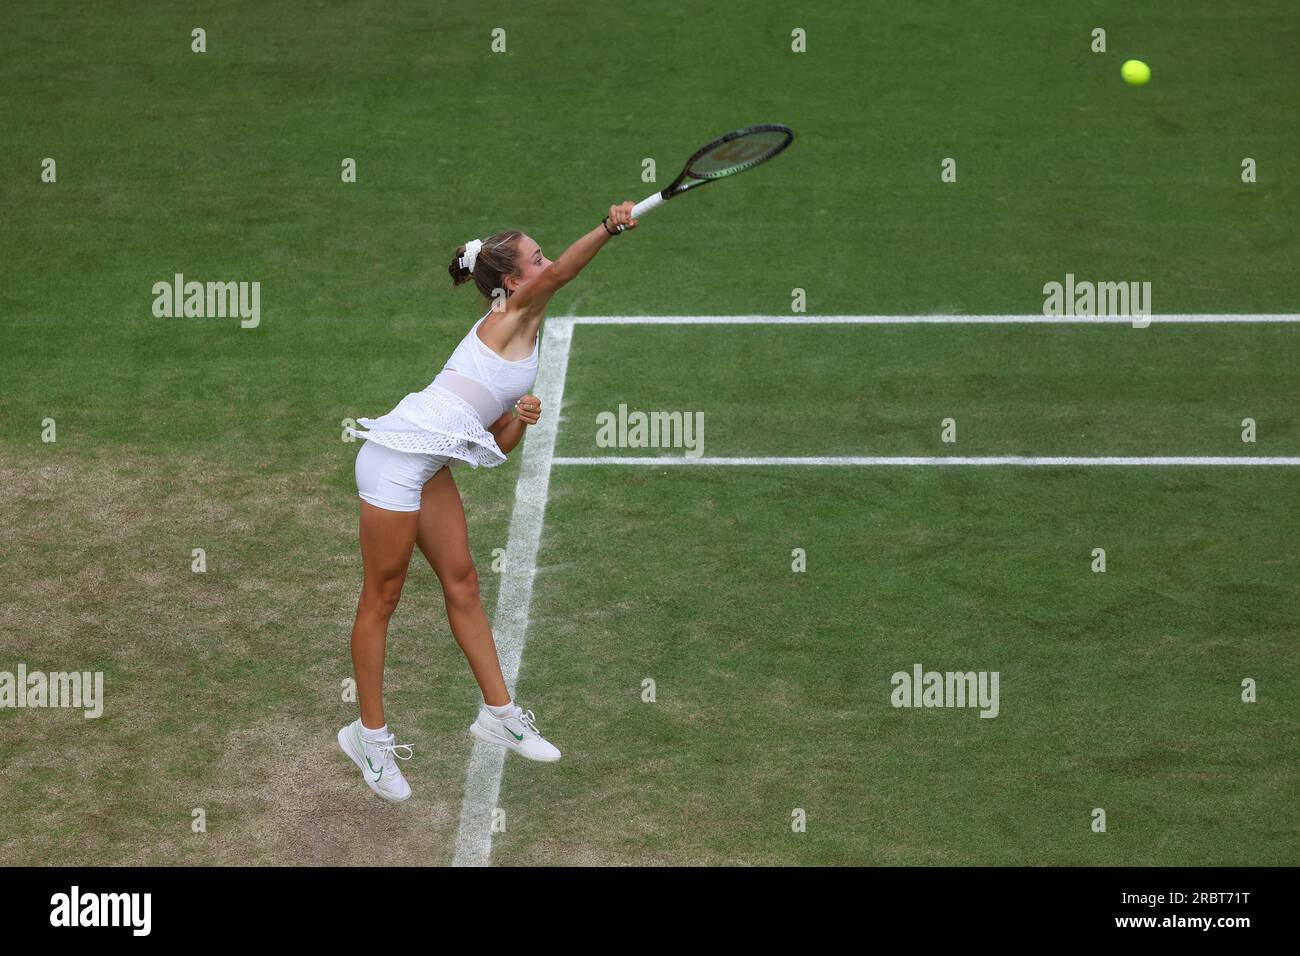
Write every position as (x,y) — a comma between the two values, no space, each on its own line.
(490,383)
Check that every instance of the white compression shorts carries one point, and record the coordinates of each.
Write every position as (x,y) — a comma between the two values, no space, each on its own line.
(392,479)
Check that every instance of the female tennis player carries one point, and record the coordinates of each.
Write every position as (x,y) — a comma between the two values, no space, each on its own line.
(475,411)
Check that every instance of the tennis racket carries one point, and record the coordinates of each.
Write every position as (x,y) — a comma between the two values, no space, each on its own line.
(727,155)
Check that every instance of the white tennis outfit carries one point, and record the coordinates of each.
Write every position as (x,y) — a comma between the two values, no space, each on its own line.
(446,421)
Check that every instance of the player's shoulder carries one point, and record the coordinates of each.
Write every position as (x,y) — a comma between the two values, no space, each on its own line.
(507,325)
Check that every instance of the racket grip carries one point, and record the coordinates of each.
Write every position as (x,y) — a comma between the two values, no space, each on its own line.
(645,205)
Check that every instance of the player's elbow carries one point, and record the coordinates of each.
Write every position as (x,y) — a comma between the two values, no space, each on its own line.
(559,275)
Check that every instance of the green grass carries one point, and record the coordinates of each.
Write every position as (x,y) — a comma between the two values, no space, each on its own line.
(1119,690)
(884,390)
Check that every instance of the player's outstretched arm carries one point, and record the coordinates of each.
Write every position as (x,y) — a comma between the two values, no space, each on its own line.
(531,299)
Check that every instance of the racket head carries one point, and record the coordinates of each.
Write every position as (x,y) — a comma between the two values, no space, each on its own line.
(738,151)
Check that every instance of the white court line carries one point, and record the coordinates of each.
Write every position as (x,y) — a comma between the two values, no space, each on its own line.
(935,460)
(919,319)
(510,624)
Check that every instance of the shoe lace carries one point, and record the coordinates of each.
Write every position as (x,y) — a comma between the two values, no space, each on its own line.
(526,718)
(390,750)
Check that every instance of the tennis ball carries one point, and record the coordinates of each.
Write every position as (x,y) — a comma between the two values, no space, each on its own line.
(1135,72)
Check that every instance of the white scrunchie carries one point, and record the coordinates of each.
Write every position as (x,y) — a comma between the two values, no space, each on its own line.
(471,254)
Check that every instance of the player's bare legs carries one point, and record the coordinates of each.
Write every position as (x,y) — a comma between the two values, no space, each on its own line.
(443,537)
(387,540)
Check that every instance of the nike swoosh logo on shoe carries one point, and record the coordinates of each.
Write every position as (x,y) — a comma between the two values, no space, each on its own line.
(378,773)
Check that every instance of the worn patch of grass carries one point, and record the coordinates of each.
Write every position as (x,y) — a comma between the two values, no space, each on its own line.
(222,689)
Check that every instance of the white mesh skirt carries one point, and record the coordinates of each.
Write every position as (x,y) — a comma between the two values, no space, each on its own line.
(434,422)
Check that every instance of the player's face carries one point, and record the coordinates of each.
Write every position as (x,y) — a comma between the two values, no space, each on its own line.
(531,262)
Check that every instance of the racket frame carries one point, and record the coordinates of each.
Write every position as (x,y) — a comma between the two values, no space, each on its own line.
(676,188)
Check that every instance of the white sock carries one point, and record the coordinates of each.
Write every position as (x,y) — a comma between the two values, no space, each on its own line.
(505,710)
(373,735)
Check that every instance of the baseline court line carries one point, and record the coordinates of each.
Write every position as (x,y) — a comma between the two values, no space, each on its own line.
(924,319)
(870,462)
(510,623)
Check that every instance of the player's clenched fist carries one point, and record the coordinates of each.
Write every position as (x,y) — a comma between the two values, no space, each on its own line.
(529,409)
(620,217)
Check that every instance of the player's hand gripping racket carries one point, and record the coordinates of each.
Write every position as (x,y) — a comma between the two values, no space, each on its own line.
(727,155)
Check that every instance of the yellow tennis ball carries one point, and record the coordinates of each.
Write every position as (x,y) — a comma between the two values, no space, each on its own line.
(1135,72)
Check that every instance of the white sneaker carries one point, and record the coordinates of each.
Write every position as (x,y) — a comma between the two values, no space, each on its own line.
(516,731)
(376,761)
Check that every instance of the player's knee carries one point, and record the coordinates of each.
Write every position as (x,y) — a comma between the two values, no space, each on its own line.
(460,584)
(381,599)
